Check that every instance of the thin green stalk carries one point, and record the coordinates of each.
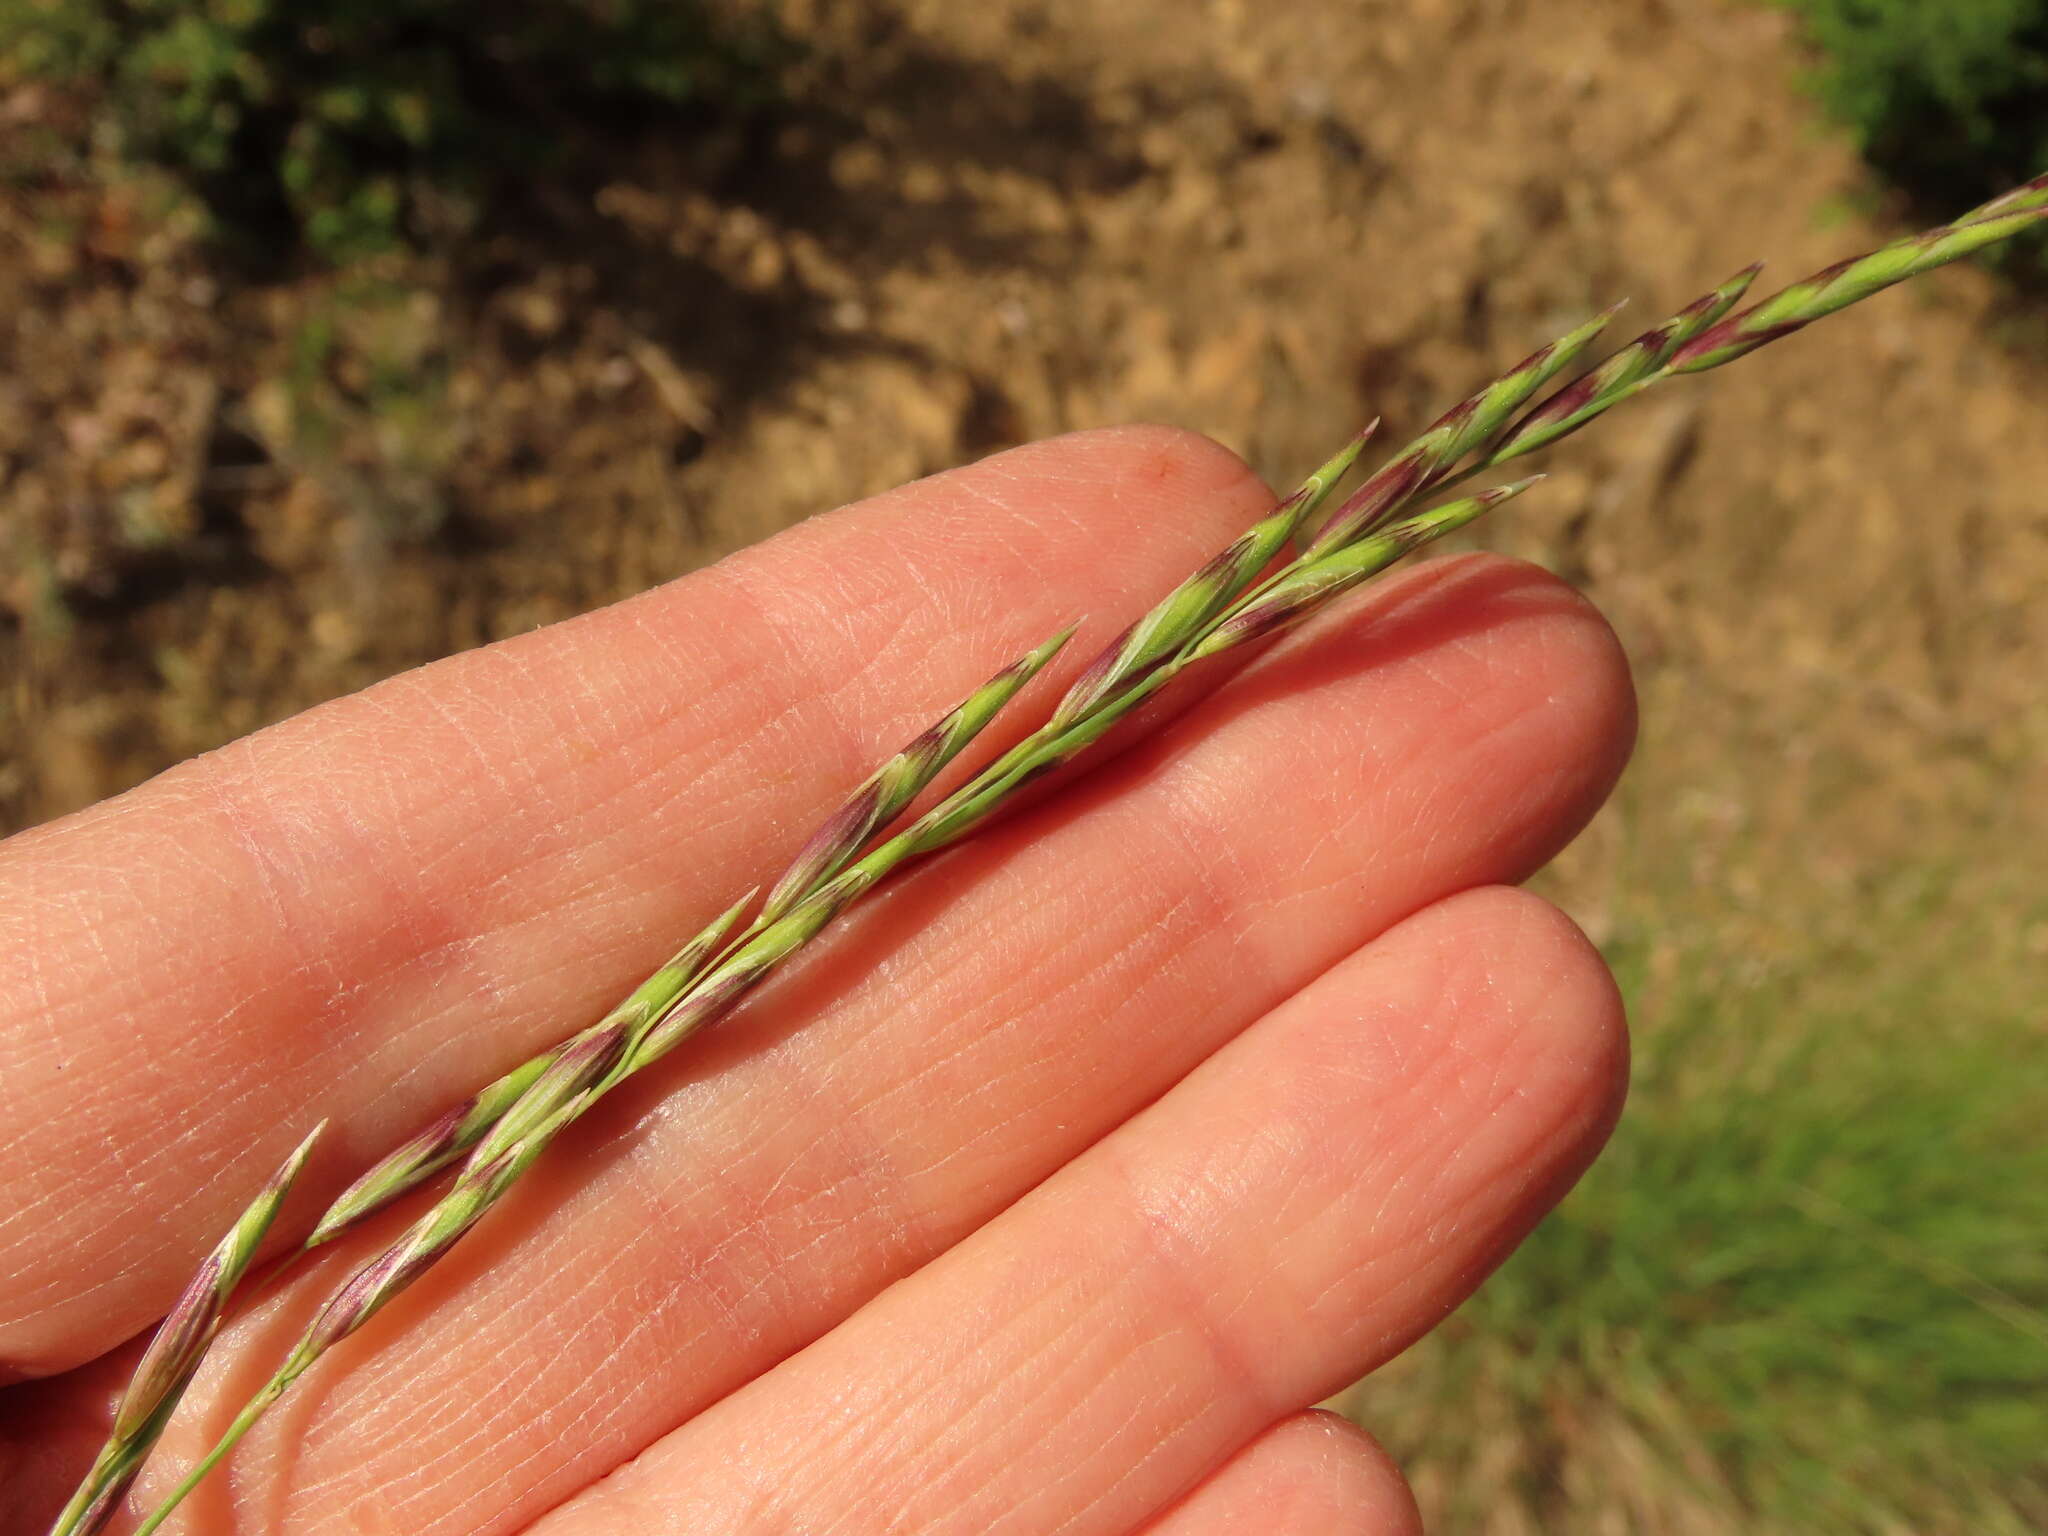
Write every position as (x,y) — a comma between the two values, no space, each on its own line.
(1223,605)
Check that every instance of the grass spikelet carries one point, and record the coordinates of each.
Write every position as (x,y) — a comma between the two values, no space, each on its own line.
(174,1353)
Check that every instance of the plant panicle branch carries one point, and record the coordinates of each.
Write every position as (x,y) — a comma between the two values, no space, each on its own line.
(1232,600)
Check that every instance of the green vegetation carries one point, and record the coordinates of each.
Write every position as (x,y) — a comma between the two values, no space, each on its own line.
(1947,98)
(1805,1289)
(360,124)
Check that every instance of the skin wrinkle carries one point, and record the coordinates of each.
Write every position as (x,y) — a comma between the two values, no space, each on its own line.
(838,735)
(1439,1163)
(997,1127)
(1049,1490)
(62,1288)
(1224,477)
(1031,1065)
(1194,828)
(39,985)
(1133,1471)
(755,1269)
(1102,1380)
(865,1420)
(617,715)
(412,1061)
(544,844)
(1173,1256)
(530,1493)
(932,1067)
(883,1212)
(914,1461)
(1156,1438)
(557,860)
(681,673)
(1107,954)
(657,1183)
(1197,818)
(742,1283)
(702,1264)
(932,1462)
(1412,1090)
(242,806)
(603,1436)
(960,603)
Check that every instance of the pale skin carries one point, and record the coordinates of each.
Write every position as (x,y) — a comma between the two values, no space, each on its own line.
(1047,1195)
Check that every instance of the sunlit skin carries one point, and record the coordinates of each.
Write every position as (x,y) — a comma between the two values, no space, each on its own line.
(1046,1195)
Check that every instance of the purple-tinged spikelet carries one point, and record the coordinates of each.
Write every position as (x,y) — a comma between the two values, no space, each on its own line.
(892,787)
(371,1287)
(1432,457)
(1181,614)
(174,1353)
(401,1171)
(1620,376)
(1389,487)
(1847,282)
(1312,585)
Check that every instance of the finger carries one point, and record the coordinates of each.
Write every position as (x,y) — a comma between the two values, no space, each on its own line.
(367,911)
(1310,1475)
(954,1045)
(1310,1201)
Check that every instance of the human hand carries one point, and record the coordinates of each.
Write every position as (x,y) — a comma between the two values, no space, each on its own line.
(1044,1196)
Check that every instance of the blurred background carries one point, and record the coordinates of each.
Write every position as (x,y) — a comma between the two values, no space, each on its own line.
(338,335)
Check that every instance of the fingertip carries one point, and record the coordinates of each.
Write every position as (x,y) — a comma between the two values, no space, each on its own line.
(1364,1491)
(1545,634)
(1555,1000)
(1313,1474)
(1530,661)
(1156,471)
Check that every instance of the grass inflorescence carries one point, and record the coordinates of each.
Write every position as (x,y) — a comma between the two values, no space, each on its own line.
(1286,568)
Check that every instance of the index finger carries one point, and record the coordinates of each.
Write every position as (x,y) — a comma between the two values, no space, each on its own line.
(368,910)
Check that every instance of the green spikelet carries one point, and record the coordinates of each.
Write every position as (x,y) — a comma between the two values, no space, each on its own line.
(1848,282)
(174,1353)
(1201,596)
(1430,459)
